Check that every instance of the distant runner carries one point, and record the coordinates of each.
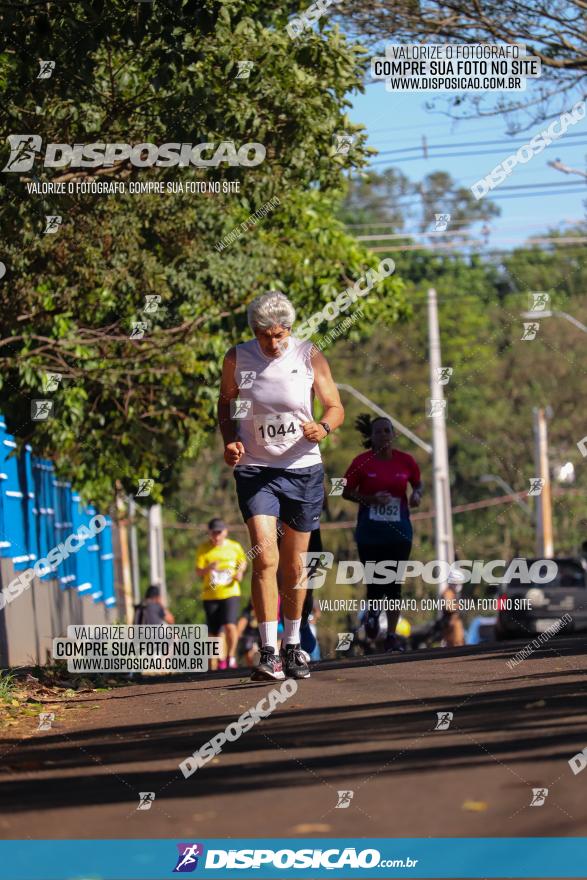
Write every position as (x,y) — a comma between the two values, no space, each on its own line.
(221,563)
(378,480)
(151,610)
(265,413)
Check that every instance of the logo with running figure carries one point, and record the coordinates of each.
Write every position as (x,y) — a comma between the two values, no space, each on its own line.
(52,223)
(51,381)
(241,408)
(436,407)
(152,301)
(441,222)
(443,375)
(247,378)
(187,860)
(444,719)
(344,799)
(244,69)
(41,410)
(536,486)
(45,720)
(46,69)
(343,143)
(539,796)
(144,488)
(146,799)
(315,565)
(539,302)
(530,330)
(22,151)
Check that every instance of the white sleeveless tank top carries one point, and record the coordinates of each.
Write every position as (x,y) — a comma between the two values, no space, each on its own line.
(275,397)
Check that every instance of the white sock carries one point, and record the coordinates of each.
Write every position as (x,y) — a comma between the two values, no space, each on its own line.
(268,632)
(291,631)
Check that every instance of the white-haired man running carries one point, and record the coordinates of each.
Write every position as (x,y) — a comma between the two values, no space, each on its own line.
(265,413)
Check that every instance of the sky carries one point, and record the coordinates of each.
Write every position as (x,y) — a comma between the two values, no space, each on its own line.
(398,121)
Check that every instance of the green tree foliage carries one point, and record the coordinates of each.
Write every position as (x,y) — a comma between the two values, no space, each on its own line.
(163,73)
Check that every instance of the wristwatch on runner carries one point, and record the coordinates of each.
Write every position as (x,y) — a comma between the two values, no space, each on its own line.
(326,427)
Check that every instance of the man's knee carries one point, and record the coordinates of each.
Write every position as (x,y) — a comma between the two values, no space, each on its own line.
(266,561)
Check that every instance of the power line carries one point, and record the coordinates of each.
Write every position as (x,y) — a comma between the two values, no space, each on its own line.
(551,183)
(461,246)
(561,192)
(384,224)
(494,196)
(580,239)
(501,141)
(396,160)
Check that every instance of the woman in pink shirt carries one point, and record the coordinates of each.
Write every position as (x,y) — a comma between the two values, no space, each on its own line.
(378,481)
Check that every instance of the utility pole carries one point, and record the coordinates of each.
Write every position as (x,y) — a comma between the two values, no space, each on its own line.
(123,556)
(544,541)
(157,551)
(442,502)
(424,146)
(134,550)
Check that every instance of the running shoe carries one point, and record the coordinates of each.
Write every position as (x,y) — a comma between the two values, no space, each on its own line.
(372,624)
(222,664)
(232,664)
(392,643)
(270,666)
(294,661)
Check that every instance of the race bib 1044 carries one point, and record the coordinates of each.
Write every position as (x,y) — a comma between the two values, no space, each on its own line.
(277,429)
(388,512)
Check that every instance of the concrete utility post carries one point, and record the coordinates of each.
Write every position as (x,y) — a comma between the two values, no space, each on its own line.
(156,551)
(124,558)
(544,539)
(134,550)
(442,502)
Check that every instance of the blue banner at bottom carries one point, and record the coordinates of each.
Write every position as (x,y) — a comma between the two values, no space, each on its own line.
(366,858)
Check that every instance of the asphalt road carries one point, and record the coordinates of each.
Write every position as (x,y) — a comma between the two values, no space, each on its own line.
(365,725)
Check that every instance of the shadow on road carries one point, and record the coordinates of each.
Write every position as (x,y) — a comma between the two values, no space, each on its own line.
(390,736)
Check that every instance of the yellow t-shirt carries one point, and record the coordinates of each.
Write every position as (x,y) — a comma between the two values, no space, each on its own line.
(221,583)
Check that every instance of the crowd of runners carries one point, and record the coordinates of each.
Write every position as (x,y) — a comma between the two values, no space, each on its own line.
(272,442)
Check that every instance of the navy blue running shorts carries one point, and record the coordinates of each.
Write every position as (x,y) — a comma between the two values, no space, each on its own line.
(293,495)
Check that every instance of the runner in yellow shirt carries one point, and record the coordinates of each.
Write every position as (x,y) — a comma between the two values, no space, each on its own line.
(221,563)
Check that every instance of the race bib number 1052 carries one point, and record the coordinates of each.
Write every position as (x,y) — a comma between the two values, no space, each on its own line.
(389,512)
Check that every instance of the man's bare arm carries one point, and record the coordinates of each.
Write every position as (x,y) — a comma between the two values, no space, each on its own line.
(228,392)
(233,448)
(327,394)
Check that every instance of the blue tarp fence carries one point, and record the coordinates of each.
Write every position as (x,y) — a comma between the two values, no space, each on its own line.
(38,512)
